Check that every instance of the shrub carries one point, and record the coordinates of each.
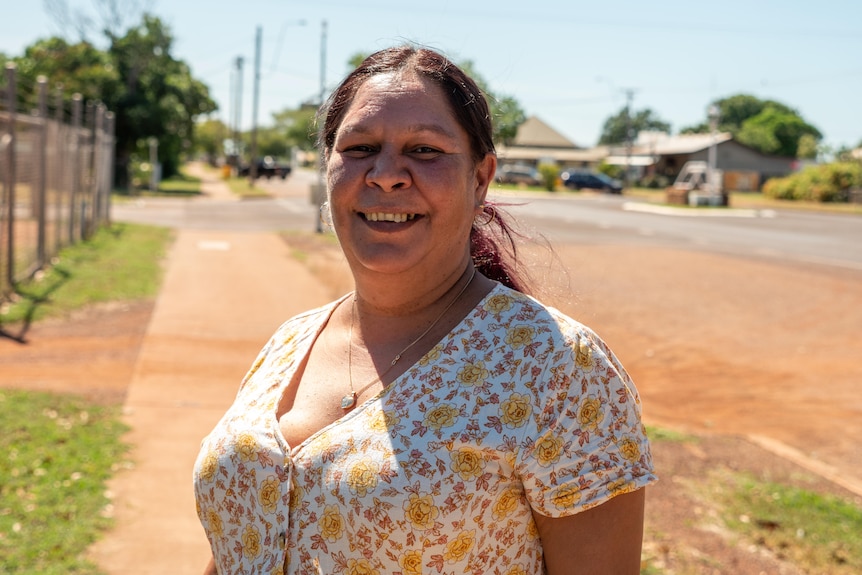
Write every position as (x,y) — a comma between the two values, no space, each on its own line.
(549,174)
(821,183)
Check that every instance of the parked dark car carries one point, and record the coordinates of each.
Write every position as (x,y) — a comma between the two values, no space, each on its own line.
(519,175)
(267,168)
(586,180)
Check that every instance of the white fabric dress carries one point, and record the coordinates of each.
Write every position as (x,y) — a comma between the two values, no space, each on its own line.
(519,408)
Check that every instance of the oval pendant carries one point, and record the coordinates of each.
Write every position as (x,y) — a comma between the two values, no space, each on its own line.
(348,401)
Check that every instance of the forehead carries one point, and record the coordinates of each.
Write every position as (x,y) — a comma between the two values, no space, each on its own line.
(399,97)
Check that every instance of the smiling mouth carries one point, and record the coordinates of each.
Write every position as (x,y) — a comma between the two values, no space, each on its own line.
(388,217)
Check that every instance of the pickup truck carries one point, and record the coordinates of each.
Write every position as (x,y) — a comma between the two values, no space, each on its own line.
(267,168)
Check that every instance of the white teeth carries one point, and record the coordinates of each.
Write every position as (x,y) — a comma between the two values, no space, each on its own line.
(381,217)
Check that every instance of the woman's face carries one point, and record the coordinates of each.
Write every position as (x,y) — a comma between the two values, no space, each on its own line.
(404,188)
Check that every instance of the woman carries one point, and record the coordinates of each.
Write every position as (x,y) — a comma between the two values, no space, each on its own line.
(437,420)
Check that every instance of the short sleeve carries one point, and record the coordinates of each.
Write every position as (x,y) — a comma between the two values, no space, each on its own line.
(586,441)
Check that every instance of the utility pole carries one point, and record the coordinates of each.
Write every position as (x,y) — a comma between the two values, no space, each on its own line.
(322,62)
(253,167)
(630,94)
(237,109)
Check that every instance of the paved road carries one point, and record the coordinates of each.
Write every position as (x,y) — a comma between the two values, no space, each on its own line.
(809,238)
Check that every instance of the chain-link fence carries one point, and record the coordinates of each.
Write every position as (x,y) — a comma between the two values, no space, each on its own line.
(56,169)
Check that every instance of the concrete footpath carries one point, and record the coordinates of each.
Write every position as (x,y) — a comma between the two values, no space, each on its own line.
(223,295)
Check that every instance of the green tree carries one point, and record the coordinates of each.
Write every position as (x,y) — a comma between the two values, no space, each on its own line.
(208,138)
(160,99)
(775,131)
(766,125)
(619,127)
(77,68)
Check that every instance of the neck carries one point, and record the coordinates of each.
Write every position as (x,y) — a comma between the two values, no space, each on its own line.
(410,293)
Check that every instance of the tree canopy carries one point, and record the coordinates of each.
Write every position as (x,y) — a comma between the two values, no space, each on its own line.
(152,94)
(765,125)
(616,129)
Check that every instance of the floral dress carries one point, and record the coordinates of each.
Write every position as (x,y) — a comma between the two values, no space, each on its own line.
(518,409)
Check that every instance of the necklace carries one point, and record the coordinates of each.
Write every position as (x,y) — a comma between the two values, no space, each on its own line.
(349,400)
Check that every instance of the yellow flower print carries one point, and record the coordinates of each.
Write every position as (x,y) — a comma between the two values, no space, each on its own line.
(246,445)
(390,419)
(621,486)
(331,523)
(377,422)
(457,549)
(209,466)
(270,491)
(516,570)
(566,497)
(584,357)
(441,416)
(519,336)
(214,523)
(296,494)
(629,449)
(548,449)
(498,304)
(467,462)
(411,563)
(515,410)
(590,413)
(362,476)
(360,567)
(420,511)
(506,504)
(251,541)
(473,373)
(532,529)
(432,356)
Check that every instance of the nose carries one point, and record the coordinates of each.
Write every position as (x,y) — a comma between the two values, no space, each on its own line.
(388,172)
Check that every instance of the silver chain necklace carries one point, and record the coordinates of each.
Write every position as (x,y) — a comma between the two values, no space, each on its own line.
(349,400)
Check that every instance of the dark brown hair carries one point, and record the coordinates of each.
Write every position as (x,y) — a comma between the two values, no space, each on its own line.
(492,244)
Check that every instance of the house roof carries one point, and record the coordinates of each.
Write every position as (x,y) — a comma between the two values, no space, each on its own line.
(665,145)
(524,153)
(536,133)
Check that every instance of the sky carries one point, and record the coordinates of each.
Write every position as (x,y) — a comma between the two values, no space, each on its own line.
(569,62)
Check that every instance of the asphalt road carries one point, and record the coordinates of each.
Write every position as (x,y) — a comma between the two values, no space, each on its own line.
(787,235)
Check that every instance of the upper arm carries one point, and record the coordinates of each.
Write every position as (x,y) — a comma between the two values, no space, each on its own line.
(604,540)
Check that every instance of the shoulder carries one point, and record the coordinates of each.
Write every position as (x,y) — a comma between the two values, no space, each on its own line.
(558,328)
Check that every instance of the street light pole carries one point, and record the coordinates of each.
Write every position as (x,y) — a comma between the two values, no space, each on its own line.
(713,186)
(252,172)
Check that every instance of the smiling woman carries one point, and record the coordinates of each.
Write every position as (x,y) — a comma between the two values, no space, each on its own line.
(438,416)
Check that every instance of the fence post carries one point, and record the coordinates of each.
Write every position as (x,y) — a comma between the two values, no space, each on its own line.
(41,195)
(59,170)
(109,151)
(11,103)
(77,109)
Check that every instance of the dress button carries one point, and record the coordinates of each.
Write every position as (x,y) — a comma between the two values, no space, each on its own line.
(282,539)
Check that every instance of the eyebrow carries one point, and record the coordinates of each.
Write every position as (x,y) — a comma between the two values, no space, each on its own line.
(412,129)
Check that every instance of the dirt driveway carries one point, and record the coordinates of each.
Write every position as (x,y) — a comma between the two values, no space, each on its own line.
(730,348)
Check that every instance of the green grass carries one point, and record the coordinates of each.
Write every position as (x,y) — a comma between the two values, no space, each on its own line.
(120,262)
(57,453)
(243,188)
(819,533)
(180,185)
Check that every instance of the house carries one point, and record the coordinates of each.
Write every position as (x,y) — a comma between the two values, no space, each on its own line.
(536,142)
(661,154)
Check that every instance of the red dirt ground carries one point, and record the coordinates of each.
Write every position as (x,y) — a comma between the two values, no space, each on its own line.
(727,348)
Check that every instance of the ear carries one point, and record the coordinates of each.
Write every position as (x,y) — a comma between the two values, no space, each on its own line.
(485,170)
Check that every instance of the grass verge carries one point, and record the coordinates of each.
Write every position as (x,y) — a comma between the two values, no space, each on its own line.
(58,452)
(243,188)
(819,533)
(119,262)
